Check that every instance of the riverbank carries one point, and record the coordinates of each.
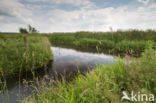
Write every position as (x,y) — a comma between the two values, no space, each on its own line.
(23,53)
(132,42)
(105,84)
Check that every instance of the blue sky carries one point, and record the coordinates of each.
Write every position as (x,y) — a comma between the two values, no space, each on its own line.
(77,15)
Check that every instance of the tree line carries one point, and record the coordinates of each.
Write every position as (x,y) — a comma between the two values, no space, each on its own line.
(28,30)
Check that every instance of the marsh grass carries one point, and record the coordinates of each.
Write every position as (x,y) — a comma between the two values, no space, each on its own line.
(4,91)
(104,84)
(132,42)
(22,53)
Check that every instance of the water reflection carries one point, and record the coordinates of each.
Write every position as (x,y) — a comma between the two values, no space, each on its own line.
(66,62)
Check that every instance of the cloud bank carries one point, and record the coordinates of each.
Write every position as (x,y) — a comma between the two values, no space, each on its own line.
(76,15)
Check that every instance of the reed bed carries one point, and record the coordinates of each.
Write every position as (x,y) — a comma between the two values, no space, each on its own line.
(22,53)
(131,42)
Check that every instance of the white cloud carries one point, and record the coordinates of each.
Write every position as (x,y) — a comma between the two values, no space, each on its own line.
(87,18)
(152,6)
(144,1)
(1,18)
(71,2)
(101,19)
(11,27)
(16,10)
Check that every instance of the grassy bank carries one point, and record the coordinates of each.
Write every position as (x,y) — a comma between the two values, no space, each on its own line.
(130,42)
(104,84)
(22,53)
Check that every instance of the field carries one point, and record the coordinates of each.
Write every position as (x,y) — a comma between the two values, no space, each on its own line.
(105,84)
(22,53)
(132,42)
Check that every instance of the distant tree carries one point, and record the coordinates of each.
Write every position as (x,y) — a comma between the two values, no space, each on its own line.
(23,30)
(30,30)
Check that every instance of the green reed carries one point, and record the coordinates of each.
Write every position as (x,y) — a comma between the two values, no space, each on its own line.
(22,53)
(131,42)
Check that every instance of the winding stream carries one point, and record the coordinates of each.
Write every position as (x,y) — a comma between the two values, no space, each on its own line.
(65,63)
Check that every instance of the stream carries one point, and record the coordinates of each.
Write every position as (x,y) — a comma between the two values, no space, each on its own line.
(66,62)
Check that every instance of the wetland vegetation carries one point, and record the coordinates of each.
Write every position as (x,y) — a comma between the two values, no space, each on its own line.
(104,84)
(20,53)
(131,42)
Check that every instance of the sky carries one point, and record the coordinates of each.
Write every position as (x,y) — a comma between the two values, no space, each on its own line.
(77,15)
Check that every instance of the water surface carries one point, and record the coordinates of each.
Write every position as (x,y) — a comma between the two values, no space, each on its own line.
(66,62)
